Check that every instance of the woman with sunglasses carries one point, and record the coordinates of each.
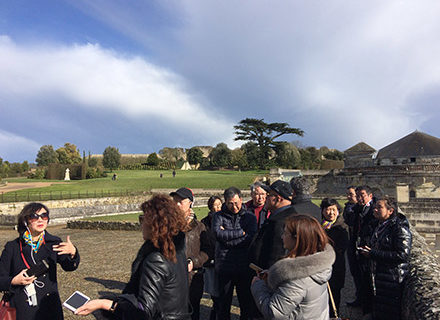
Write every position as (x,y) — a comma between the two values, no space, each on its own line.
(158,286)
(35,297)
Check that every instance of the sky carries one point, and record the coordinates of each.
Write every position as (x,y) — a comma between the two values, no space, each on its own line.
(142,75)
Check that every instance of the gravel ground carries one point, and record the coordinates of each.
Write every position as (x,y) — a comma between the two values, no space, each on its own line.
(106,258)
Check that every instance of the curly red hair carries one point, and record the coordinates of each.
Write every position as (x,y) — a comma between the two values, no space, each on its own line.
(165,221)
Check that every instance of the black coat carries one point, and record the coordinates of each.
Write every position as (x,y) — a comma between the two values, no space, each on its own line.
(338,234)
(233,233)
(11,263)
(364,224)
(158,288)
(303,204)
(207,221)
(267,247)
(390,252)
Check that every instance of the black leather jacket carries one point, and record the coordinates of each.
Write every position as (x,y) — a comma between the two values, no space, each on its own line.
(390,251)
(158,288)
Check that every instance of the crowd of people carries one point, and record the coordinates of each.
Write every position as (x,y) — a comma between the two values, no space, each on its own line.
(281,253)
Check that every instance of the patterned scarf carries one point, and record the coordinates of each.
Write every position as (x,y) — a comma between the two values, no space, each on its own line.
(35,245)
(327,224)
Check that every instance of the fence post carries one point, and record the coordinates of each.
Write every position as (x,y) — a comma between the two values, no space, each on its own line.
(28,196)
(16,197)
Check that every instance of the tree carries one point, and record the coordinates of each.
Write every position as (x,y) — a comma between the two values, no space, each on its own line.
(152,159)
(238,159)
(92,162)
(194,155)
(111,158)
(287,155)
(46,155)
(221,156)
(25,166)
(334,155)
(68,154)
(264,135)
(251,152)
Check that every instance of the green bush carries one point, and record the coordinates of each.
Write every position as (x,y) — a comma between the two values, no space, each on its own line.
(38,174)
(93,173)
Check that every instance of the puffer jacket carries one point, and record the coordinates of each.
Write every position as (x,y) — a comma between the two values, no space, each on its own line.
(158,288)
(390,252)
(233,234)
(297,287)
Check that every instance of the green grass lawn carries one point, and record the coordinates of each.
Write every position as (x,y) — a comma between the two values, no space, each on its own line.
(137,181)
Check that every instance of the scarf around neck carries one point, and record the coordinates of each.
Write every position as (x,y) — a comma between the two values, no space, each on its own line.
(35,245)
(327,224)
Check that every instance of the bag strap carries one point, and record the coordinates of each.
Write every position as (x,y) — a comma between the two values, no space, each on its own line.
(332,300)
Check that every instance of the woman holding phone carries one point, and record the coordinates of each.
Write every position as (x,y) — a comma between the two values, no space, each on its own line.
(35,296)
(158,286)
(295,287)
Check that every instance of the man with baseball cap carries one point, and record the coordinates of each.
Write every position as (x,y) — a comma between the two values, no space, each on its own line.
(197,247)
(267,247)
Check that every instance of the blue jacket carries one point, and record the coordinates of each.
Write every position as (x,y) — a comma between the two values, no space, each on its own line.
(233,234)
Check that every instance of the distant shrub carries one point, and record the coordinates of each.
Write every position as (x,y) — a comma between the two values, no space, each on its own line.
(94,173)
(38,174)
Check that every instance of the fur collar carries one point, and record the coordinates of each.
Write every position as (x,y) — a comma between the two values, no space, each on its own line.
(301,267)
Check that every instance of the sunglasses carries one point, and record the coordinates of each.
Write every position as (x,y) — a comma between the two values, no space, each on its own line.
(34,217)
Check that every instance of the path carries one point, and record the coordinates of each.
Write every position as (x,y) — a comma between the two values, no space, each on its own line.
(14,186)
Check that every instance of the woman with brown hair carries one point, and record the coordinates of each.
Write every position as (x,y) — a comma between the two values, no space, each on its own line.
(158,287)
(295,287)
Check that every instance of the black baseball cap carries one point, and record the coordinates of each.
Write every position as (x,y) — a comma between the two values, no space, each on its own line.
(283,188)
(184,193)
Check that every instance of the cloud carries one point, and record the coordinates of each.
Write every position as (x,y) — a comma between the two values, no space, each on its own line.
(83,79)
(343,72)
(16,147)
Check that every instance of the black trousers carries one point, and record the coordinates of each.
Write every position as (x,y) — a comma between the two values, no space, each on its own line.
(241,280)
(354,267)
(195,294)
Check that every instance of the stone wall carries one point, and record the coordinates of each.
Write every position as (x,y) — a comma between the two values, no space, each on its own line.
(73,209)
(63,210)
(421,296)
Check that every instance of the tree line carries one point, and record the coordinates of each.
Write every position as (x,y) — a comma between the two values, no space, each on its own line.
(262,149)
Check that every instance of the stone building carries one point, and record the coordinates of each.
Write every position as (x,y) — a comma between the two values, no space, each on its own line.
(359,156)
(415,148)
(407,169)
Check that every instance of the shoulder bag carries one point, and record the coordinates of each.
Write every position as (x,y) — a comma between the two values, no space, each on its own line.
(6,311)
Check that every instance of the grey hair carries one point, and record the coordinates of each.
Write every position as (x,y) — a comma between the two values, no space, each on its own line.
(301,185)
(256,185)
